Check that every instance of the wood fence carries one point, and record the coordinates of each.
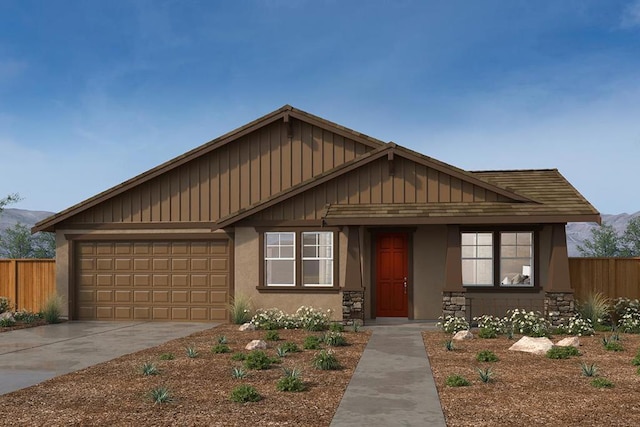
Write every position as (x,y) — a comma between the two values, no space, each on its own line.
(28,283)
(614,277)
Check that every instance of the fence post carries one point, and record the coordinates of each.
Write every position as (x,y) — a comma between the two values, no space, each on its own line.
(14,268)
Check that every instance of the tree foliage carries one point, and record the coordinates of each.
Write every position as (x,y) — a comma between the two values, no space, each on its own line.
(11,198)
(17,242)
(606,242)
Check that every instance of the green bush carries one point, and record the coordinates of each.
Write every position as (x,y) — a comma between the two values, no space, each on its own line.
(311,342)
(257,359)
(335,339)
(457,381)
(336,327)
(7,322)
(487,333)
(26,316)
(220,348)
(272,335)
(325,360)
(167,356)
(486,356)
(557,352)
(52,309)
(245,393)
(601,383)
(290,381)
(613,346)
(238,356)
(290,347)
(5,304)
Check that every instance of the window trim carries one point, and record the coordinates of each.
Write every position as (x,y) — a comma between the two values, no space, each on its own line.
(497,260)
(298,286)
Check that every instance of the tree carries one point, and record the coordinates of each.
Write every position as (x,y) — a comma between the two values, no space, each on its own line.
(18,242)
(11,198)
(631,238)
(604,242)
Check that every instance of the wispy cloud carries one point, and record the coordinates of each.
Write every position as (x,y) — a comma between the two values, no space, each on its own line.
(631,15)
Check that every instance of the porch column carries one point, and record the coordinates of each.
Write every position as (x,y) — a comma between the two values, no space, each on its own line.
(353,290)
(558,295)
(454,302)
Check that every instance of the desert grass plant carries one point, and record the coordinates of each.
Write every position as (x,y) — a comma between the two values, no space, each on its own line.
(257,360)
(281,351)
(612,343)
(601,383)
(335,339)
(558,352)
(326,361)
(485,374)
(240,309)
(311,342)
(222,339)
(245,393)
(456,380)
(486,356)
(160,394)
(52,309)
(167,356)
(291,381)
(290,347)
(148,369)
(272,335)
(238,373)
(589,370)
(192,352)
(238,357)
(220,348)
(448,344)
(595,307)
(356,326)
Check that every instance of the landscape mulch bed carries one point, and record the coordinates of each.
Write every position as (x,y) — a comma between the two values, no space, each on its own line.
(116,393)
(535,390)
(23,325)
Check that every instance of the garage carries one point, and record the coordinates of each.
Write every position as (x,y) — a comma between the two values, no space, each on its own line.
(152,280)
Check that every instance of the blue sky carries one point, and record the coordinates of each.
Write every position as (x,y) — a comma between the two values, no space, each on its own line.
(94,92)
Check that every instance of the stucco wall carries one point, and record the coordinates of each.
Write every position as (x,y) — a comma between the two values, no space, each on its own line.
(247,265)
(429,250)
(62,271)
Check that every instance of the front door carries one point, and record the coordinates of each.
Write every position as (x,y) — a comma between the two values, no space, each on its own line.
(391,275)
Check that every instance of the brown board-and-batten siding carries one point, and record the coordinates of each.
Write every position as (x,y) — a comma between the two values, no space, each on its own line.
(229,178)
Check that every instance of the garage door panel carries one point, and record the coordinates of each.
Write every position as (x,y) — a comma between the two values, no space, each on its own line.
(178,280)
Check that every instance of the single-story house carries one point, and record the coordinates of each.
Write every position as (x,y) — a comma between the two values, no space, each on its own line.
(292,209)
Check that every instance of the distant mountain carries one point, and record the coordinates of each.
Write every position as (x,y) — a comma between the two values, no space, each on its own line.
(10,217)
(578,232)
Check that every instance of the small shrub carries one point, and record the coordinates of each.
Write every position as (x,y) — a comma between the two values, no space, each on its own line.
(257,359)
(486,374)
(160,394)
(222,339)
(290,347)
(281,352)
(490,326)
(335,339)
(601,383)
(7,322)
(325,360)
(313,319)
(613,346)
(5,304)
(638,371)
(356,326)
(238,373)
(453,324)
(52,309)
(167,356)
(220,348)
(240,309)
(272,335)
(336,327)
(26,316)
(149,368)
(192,352)
(590,370)
(457,381)
(245,393)
(627,312)
(311,342)
(532,324)
(290,381)
(448,344)
(557,352)
(238,356)
(577,325)
(487,333)
(486,356)
(636,359)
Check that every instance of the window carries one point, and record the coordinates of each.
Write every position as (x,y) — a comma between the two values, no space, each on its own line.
(498,258)
(302,259)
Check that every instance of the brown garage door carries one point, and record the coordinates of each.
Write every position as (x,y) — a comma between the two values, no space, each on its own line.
(176,280)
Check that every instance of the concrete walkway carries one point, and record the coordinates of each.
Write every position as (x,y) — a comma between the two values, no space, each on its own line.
(392,384)
(30,356)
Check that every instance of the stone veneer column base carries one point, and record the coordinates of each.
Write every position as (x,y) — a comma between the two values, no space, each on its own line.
(352,307)
(559,307)
(454,304)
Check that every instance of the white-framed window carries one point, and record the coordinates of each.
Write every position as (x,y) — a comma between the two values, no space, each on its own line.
(317,258)
(280,258)
(497,258)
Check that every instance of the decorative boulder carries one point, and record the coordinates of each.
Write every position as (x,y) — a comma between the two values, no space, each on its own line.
(463,335)
(569,342)
(8,316)
(532,345)
(247,327)
(256,344)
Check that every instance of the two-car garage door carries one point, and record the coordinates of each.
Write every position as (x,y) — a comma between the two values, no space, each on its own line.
(152,280)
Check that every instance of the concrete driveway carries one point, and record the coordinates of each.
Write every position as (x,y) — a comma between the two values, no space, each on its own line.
(30,356)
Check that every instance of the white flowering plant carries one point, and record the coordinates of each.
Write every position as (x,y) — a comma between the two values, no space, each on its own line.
(490,326)
(313,319)
(309,318)
(628,313)
(577,325)
(453,324)
(529,323)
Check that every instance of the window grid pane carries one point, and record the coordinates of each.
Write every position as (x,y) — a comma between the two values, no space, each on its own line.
(280,262)
(317,258)
(516,259)
(477,259)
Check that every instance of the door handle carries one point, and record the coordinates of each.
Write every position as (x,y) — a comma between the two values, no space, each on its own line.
(405,285)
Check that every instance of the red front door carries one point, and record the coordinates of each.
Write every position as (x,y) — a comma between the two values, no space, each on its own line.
(391,275)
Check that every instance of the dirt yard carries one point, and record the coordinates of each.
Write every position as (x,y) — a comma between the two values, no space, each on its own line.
(116,393)
(531,390)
